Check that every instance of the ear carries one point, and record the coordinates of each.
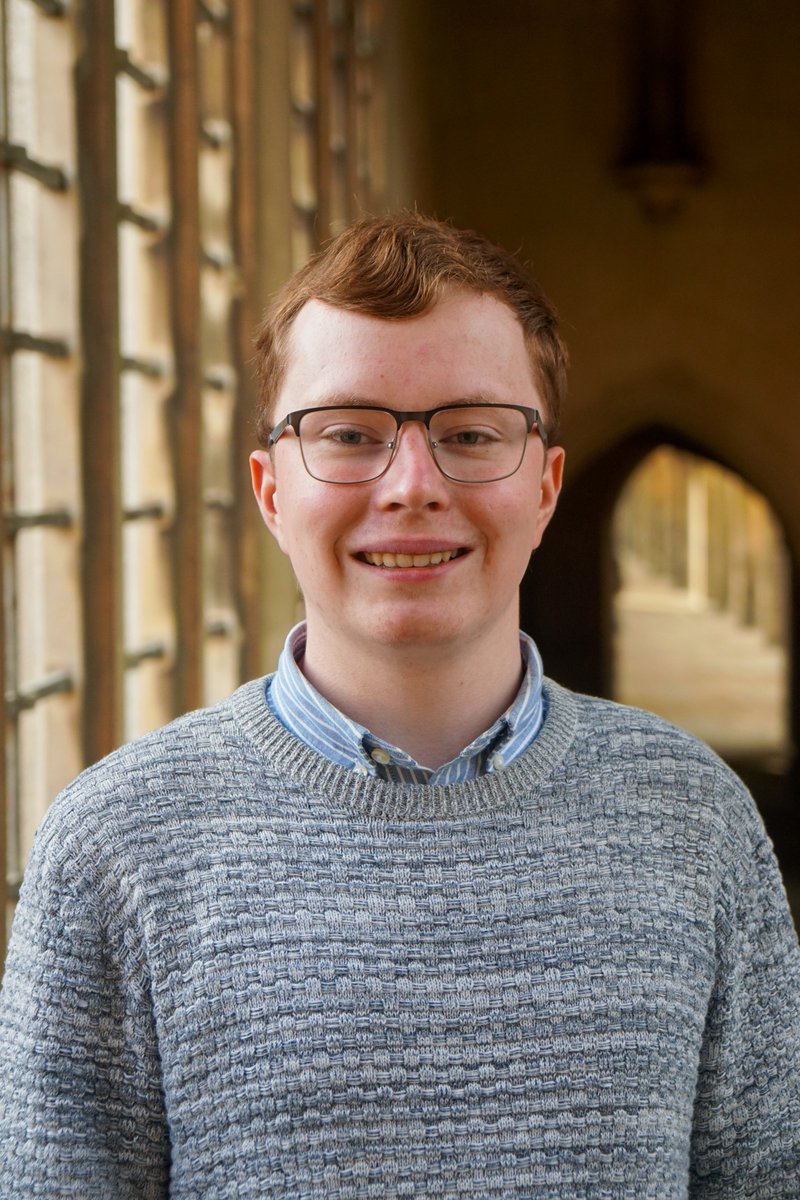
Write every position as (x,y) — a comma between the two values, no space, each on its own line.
(265,487)
(550,490)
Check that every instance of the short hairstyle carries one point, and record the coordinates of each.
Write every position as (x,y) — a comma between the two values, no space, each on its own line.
(398,266)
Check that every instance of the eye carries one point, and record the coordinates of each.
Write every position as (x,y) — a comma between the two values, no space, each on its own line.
(351,435)
(346,437)
(346,432)
(468,435)
(484,428)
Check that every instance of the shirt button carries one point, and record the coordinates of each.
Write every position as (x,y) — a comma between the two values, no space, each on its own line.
(361,769)
(498,762)
(381,756)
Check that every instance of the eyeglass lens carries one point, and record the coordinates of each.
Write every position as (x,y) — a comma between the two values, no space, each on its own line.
(472,444)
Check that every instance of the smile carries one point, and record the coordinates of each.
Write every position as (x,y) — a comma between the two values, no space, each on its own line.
(387,559)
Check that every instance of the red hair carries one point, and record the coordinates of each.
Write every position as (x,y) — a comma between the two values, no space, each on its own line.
(398,266)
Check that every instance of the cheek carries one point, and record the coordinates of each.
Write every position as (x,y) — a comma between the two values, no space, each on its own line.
(313,527)
(510,524)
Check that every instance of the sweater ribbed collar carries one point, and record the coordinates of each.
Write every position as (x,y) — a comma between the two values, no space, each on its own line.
(380,800)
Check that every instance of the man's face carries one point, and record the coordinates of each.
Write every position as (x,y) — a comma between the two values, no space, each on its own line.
(468,347)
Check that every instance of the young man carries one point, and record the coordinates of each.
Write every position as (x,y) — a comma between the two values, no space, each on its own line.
(405,919)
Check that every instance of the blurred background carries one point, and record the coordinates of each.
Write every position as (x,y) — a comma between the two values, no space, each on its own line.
(164,164)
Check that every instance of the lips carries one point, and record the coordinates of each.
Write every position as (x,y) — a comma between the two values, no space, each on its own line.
(387,558)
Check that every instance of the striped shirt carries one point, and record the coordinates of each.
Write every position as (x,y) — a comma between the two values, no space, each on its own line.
(309,716)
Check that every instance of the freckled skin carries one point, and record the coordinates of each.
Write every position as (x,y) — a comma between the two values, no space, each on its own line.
(469,346)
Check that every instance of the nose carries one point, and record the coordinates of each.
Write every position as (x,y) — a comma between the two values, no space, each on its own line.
(412,479)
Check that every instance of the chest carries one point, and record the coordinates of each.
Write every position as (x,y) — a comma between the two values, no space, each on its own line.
(330,973)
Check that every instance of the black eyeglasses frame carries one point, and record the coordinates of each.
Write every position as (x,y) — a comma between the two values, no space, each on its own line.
(292,421)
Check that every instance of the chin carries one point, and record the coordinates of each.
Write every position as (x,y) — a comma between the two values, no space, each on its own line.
(409,631)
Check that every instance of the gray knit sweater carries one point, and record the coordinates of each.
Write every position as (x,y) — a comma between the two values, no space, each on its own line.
(238,970)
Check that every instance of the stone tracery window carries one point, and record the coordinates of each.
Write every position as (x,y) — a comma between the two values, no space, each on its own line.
(131,225)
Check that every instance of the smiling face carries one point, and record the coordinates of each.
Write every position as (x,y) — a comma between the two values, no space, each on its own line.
(411,563)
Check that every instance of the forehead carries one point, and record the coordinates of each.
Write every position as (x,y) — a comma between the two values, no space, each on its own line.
(468,345)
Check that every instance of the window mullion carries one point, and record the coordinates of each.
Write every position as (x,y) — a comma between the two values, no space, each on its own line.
(183,101)
(7,797)
(248,530)
(95,82)
(324,83)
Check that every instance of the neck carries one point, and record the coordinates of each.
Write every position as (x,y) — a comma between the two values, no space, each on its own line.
(429,706)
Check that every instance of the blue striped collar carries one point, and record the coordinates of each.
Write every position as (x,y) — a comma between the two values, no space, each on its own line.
(309,716)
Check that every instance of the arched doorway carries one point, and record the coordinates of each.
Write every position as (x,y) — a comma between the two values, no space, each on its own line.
(568,606)
(700,613)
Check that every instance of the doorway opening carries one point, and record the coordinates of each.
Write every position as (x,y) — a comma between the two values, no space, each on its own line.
(576,584)
(701,607)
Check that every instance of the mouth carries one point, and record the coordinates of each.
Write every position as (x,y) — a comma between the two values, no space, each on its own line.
(386,558)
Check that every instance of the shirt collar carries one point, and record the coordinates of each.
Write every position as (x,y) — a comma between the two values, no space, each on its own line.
(309,716)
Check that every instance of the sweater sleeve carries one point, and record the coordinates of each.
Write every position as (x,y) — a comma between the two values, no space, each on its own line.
(80,1091)
(746,1137)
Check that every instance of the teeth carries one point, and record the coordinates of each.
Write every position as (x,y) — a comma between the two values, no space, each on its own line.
(385,559)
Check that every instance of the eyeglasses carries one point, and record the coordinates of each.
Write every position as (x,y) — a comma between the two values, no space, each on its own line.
(470,443)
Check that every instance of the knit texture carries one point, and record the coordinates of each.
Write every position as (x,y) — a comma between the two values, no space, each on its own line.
(239,970)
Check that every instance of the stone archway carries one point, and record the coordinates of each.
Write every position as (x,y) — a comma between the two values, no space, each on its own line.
(567,605)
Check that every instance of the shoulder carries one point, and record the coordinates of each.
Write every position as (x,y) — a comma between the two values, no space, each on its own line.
(646,758)
(664,787)
(146,787)
(608,727)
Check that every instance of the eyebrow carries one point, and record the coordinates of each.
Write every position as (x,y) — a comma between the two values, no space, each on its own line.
(352,400)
